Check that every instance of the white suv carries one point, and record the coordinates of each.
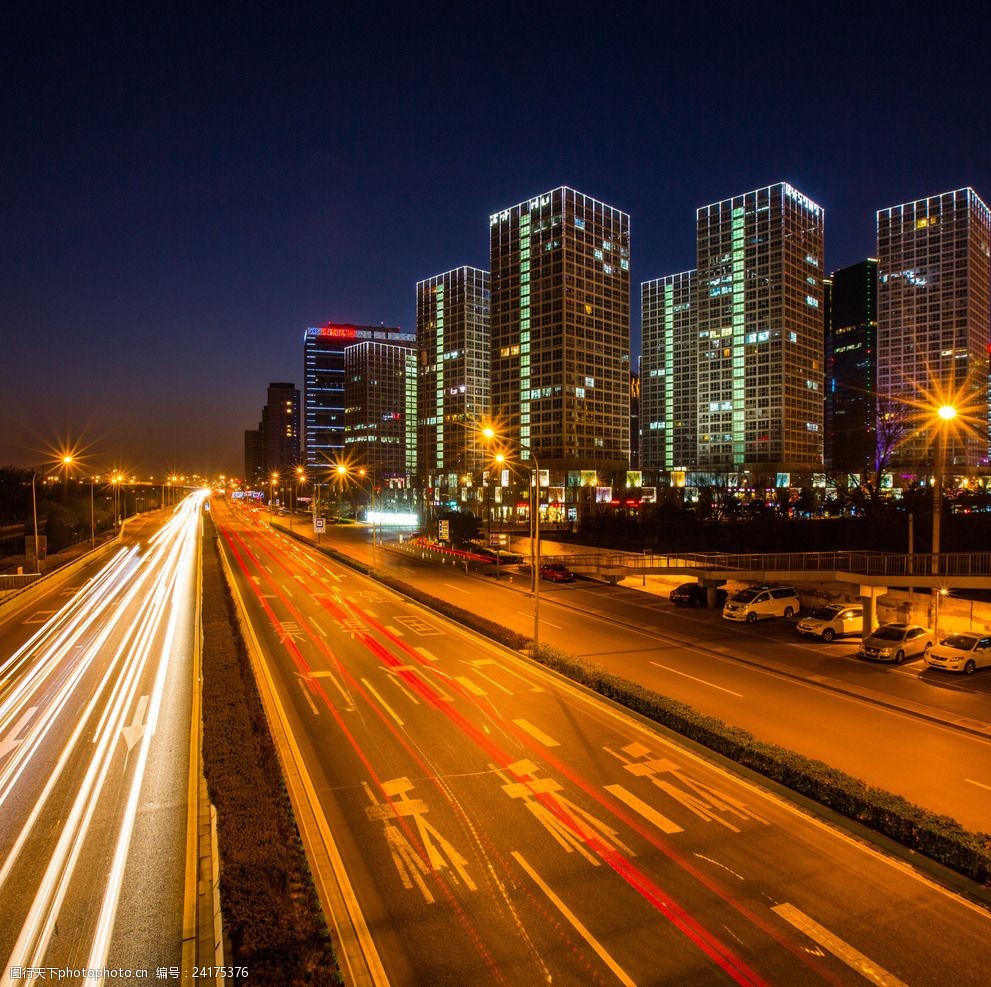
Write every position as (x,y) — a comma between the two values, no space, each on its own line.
(757,602)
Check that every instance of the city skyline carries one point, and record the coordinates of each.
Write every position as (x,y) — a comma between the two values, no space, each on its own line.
(184,198)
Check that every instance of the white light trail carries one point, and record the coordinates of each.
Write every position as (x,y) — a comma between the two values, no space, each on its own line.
(136,601)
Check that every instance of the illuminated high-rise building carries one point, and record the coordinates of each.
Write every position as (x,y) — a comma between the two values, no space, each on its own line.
(668,367)
(323,391)
(560,265)
(453,345)
(760,335)
(933,317)
(380,408)
(280,429)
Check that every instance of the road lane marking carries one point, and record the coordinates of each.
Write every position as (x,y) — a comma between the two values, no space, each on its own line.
(666,668)
(527,727)
(368,685)
(458,589)
(543,623)
(39,616)
(307,696)
(598,948)
(394,631)
(980,784)
(866,967)
(285,589)
(477,667)
(649,813)
(319,629)
(426,654)
(470,686)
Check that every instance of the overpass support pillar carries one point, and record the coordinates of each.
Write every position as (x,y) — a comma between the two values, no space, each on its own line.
(868,596)
(711,599)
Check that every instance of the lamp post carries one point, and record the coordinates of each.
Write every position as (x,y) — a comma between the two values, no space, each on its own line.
(272,480)
(947,413)
(67,460)
(92,513)
(34,512)
(490,434)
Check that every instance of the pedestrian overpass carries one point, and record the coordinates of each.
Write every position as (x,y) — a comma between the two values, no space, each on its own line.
(873,572)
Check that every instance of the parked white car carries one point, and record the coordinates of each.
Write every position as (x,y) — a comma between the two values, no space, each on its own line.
(961,653)
(757,602)
(837,620)
(896,642)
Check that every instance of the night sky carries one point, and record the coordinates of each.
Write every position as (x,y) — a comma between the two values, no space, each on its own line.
(185,190)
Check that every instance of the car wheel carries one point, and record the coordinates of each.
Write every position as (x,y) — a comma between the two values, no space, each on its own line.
(968,669)
(789,612)
(899,657)
(828,634)
(751,618)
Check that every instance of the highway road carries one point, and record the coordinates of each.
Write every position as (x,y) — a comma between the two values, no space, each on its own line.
(95,703)
(920,733)
(473,818)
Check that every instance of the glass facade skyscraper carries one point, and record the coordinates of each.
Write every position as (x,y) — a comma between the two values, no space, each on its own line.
(850,324)
(453,356)
(668,367)
(560,265)
(323,391)
(933,317)
(379,407)
(760,334)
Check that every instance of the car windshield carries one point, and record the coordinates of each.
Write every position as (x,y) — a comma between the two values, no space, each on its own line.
(964,642)
(746,596)
(824,613)
(889,634)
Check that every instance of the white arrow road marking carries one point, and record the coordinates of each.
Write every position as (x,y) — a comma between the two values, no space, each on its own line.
(135,731)
(412,868)
(867,968)
(11,741)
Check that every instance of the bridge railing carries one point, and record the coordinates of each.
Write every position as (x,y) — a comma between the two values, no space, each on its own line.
(866,563)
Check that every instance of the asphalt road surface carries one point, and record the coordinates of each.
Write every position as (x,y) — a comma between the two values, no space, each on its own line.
(472,818)
(95,693)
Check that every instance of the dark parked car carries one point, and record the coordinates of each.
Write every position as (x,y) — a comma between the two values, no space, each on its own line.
(695,595)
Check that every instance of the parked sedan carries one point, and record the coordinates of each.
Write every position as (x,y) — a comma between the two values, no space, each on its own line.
(557,572)
(695,595)
(896,642)
(961,653)
(838,620)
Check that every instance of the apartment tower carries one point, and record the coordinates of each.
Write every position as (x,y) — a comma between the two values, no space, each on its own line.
(453,357)
(560,266)
(933,317)
(669,365)
(760,334)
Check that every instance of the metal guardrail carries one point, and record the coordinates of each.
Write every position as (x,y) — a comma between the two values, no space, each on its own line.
(12,582)
(964,564)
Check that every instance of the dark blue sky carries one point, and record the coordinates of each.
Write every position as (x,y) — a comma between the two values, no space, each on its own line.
(185,190)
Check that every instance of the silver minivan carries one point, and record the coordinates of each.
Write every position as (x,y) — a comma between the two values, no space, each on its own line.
(757,602)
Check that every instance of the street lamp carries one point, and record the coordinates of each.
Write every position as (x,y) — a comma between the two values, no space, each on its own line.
(946,414)
(272,481)
(489,434)
(299,478)
(67,460)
